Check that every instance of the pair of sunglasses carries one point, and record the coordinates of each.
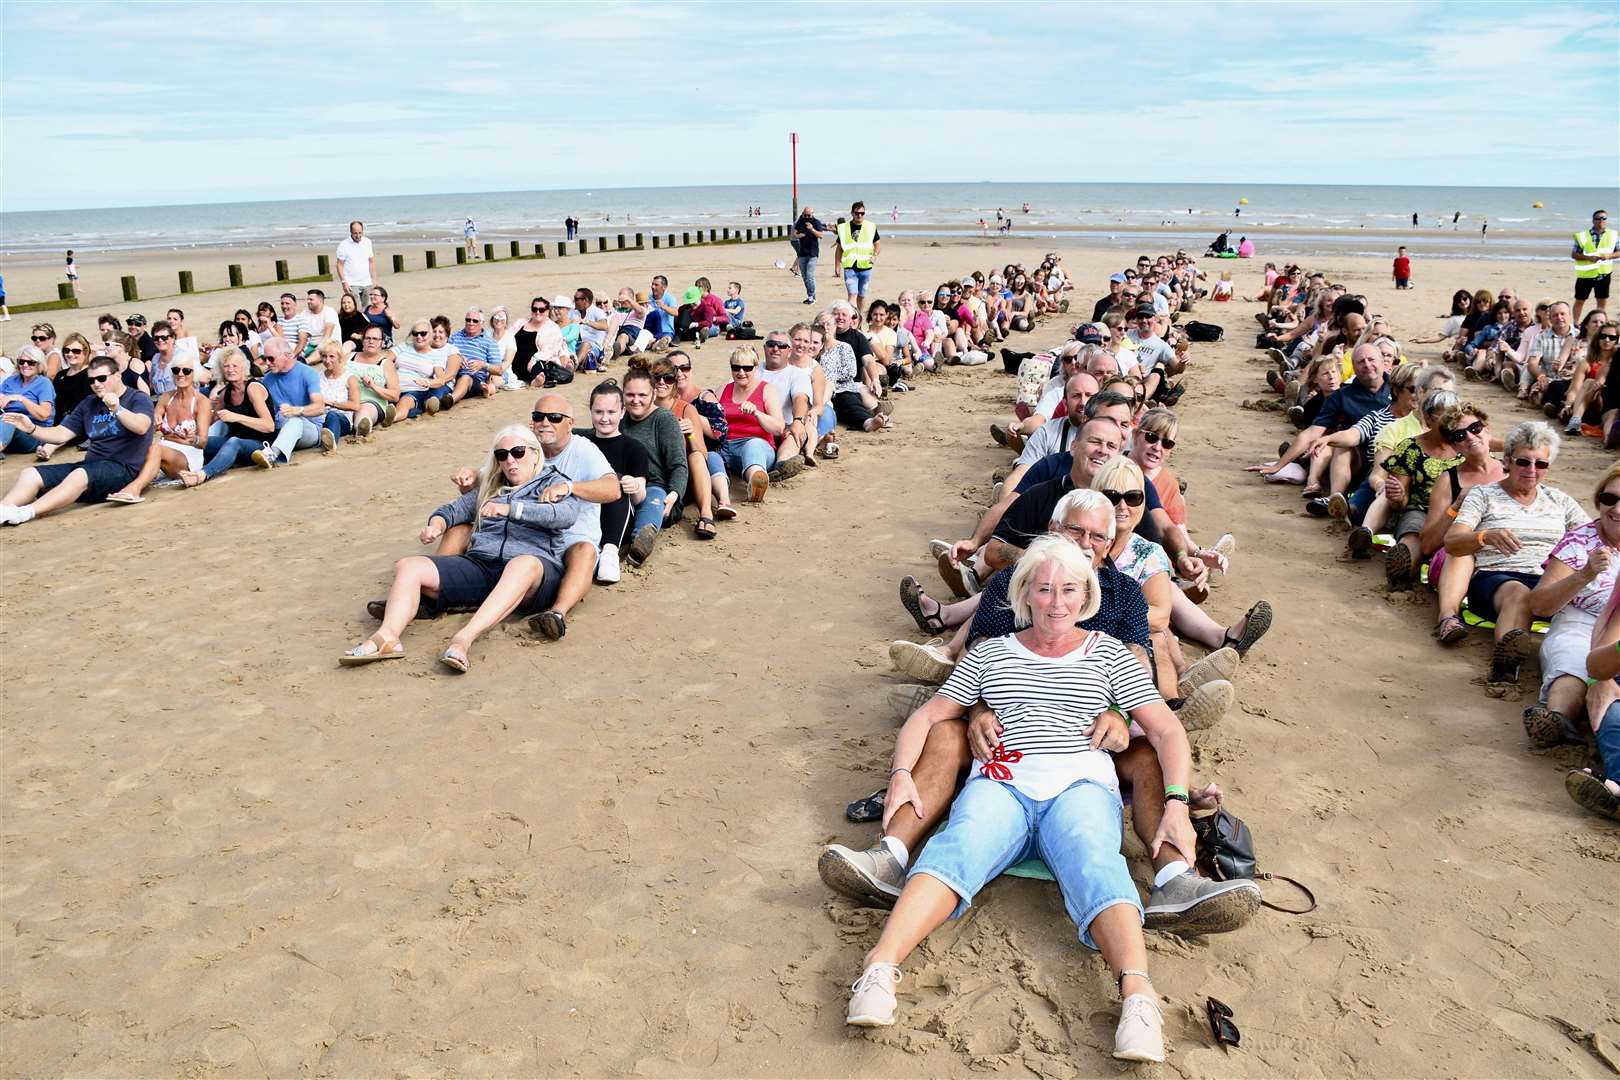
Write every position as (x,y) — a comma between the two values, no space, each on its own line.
(1461,434)
(1226,1033)
(553,417)
(665,380)
(1608,498)
(516,453)
(743,367)
(1539,465)
(1151,437)
(1129,498)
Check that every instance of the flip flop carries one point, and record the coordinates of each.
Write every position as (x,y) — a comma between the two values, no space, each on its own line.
(454,659)
(725,513)
(356,656)
(704,529)
(123,499)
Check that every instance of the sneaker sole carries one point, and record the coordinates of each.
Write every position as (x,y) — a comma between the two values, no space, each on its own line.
(1543,727)
(1218,914)
(846,879)
(1220,664)
(1590,793)
(1205,711)
(871,1021)
(919,665)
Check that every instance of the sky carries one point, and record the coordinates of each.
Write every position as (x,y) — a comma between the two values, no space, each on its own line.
(133,103)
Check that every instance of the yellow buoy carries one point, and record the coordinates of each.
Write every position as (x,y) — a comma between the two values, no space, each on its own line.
(1536,205)
(1243,202)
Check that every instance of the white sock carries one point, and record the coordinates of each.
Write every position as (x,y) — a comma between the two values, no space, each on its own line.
(897,848)
(1175,869)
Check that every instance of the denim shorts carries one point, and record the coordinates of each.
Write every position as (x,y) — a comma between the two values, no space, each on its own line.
(856,281)
(1078,832)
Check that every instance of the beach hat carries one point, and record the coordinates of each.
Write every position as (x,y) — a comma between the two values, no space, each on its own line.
(1088,334)
(968,283)
(1117,279)
(1144,309)
(561,301)
(692,295)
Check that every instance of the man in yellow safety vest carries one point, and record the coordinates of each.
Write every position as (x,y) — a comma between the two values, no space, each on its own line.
(857,248)
(1594,263)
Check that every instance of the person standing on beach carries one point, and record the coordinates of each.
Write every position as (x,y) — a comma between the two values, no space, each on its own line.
(807,234)
(858,248)
(469,233)
(1402,269)
(72,271)
(1414,219)
(357,264)
(1594,263)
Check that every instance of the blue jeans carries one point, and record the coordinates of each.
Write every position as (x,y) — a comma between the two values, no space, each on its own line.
(807,270)
(737,456)
(994,825)
(856,281)
(651,510)
(421,397)
(15,438)
(224,451)
(337,422)
(1608,742)
(297,433)
(826,421)
(1360,500)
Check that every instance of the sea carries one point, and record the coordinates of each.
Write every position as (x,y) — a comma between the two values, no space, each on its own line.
(1302,219)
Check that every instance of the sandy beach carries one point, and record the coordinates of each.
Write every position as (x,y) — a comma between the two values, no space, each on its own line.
(223,855)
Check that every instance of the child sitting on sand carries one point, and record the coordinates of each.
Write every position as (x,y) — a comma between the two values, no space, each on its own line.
(1223,287)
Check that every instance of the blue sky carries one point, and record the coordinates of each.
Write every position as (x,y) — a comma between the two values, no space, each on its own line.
(143,103)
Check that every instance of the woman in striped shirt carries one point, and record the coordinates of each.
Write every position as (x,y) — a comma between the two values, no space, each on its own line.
(1045,791)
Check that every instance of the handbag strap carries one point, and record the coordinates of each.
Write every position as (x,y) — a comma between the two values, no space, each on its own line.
(1288,911)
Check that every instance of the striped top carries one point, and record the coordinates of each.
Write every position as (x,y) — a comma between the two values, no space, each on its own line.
(1045,704)
(1537,527)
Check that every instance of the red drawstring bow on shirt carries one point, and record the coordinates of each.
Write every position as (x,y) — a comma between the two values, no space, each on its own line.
(1000,758)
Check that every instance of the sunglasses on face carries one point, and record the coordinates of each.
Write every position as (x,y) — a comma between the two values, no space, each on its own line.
(75,350)
(1151,437)
(742,367)
(1129,498)
(549,417)
(182,370)
(516,453)
(1536,463)
(38,337)
(97,380)
(1608,498)
(1608,337)
(683,367)
(1080,535)
(162,337)
(776,344)
(541,310)
(665,380)
(35,363)
(419,333)
(1461,434)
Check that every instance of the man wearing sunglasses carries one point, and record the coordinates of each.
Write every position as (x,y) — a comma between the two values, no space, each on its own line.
(1594,263)
(858,249)
(117,424)
(587,475)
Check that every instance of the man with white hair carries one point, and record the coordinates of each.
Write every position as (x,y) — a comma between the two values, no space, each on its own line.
(481,365)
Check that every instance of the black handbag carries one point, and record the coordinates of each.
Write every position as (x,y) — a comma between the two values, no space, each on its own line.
(1226,851)
(557,375)
(1203,331)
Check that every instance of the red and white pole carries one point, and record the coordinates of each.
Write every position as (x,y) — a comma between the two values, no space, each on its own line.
(793,141)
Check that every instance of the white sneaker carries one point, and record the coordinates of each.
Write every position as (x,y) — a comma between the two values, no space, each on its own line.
(936,548)
(871,999)
(1140,1034)
(607,565)
(9,515)
(927,663)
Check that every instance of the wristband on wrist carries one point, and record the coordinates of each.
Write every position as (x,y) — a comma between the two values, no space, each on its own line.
(1175,789)
(1178,796)
(893,771)
(1480,536)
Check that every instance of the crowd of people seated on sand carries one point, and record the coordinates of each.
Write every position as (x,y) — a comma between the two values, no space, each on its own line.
(1071,663)
(1409,456)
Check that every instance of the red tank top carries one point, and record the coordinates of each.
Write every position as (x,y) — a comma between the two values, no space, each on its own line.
(742,425)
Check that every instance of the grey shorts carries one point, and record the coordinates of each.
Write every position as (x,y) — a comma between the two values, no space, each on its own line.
(1410,522)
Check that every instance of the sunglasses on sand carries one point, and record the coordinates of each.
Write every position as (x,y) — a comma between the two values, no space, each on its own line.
(549,417)
(1225,1032)
(516,453)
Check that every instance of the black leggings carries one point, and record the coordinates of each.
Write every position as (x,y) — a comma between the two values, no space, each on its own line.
(521,365)
(616,518)
(851,410)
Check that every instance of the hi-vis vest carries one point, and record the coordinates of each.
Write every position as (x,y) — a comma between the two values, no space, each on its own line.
(1603,245)
(858,247)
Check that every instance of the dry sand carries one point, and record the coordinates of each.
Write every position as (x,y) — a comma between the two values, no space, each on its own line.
(224,855)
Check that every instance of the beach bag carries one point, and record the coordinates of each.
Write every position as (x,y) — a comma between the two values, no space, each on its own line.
(1203,331)
(1226,851)
(557,375)
(745,332)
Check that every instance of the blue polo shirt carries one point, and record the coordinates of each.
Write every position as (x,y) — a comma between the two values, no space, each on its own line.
(294,387)
(481,347)
(1350,403)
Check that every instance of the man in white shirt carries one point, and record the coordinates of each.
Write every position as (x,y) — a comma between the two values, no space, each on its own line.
(356,264)
(323,320)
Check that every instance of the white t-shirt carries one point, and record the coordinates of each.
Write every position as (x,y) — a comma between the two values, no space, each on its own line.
(354,261)
(186,348)
(579,461)
(789,381)
(1045,705)
(323,327)
(592,335)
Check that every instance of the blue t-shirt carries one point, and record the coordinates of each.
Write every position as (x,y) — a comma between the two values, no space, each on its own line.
(1348,404)
(294,387)
(481,347)
(107,438)
(735,310)
(38,390)
(660,323)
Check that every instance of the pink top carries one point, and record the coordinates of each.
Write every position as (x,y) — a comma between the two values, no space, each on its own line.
(1574,551)
(741,425)
(920,326)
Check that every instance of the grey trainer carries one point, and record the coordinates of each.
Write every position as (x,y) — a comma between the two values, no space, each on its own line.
(1191,904)
(873,876)
(906,698)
